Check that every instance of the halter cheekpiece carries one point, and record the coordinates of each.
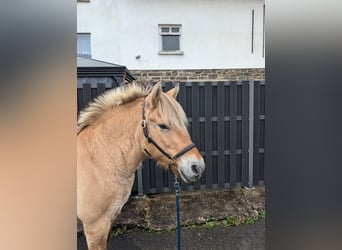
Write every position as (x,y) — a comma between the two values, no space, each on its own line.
(172,159)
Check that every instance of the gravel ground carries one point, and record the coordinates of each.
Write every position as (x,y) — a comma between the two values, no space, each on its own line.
(242,237)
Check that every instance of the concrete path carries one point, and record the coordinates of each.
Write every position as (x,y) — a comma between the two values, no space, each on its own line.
(242,237)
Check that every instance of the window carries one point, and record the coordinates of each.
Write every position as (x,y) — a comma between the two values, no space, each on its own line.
(170,40)
(83,45)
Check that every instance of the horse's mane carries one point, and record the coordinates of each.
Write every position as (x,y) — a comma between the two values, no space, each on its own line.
(169,109)
(108,99)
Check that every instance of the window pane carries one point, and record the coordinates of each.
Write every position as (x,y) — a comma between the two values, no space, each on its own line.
(165,30)
(174,29)
(83,44)
(170,43)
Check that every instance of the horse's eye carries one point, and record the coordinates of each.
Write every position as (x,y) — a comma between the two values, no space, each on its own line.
(163,126)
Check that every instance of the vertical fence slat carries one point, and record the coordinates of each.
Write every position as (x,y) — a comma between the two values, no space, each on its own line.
(245,115)
(86,94)
(94,92)
(171,180)
(233,130)
(139,181)
(220,134)
(251,134)
(80,104)
(256,157)
(182,100)
(146,176)
(262,132)
(159,179)
(214,135)
(181,95)
(135,186)
(208,135)
(226,135)
(101,87)
(195,120)
(168,86)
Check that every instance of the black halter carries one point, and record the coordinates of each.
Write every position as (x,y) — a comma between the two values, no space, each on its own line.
(172,159)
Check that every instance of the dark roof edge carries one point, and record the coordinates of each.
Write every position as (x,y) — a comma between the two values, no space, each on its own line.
(105,71)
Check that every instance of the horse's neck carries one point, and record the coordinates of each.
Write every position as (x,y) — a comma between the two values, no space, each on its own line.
(121,134)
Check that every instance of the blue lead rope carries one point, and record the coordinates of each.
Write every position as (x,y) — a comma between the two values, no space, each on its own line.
(176,185)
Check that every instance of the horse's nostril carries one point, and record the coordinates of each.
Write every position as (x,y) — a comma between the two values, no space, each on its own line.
(195,169)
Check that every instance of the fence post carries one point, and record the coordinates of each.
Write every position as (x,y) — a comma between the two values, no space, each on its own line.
(251,134)
(140,182)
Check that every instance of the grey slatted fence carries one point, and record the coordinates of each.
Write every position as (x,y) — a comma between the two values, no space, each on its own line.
(228,134)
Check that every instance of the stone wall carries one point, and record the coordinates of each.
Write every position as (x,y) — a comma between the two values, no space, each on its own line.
(199,75)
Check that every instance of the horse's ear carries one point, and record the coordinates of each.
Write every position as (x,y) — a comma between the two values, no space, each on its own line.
(155,93)
(174,91)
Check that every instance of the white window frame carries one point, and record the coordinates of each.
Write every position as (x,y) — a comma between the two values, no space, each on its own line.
(170,32)
(86,55)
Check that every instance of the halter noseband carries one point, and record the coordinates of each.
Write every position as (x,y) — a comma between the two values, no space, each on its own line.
(172,159)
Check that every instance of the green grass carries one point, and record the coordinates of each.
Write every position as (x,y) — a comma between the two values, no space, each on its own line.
(250,220)
(119,230)
(227,222)
(233,221)
(211,224)
(192,224)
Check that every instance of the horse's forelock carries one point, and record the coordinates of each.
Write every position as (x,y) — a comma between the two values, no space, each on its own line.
(172,112)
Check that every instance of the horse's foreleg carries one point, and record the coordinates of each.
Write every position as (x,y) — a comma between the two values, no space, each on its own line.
(97,234)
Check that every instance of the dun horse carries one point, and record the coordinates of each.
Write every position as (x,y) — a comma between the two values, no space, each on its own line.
(115,133)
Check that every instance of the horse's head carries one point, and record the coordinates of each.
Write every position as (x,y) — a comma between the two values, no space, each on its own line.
(166,135)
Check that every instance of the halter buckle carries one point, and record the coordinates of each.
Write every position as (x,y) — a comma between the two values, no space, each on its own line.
(173,160)
(143,123)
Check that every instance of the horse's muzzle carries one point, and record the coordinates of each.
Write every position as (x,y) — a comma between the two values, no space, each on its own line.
(190,168)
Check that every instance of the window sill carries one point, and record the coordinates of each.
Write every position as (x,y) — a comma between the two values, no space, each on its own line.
(84,55)
(176,52)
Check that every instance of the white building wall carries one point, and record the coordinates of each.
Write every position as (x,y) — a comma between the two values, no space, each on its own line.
(215,33)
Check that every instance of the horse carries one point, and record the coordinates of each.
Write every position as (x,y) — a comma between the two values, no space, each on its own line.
(115,133)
